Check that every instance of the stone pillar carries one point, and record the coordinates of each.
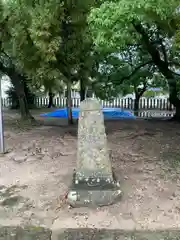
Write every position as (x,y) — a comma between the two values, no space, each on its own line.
(93,180)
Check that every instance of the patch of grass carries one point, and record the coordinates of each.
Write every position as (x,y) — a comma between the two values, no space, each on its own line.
(171,166)
(172,158)
(7,193)
(167,235)
(25,233)
(11,201)
(2,187)
(105,234)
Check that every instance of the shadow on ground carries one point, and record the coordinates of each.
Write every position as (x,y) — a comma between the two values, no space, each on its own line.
(26,233)
(73,129)
(9,196)
(87,234)
(39,233)
(142,154)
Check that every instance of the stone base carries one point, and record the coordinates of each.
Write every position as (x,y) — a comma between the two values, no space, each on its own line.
(93,192)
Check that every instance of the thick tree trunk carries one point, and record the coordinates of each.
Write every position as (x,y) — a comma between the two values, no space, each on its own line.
(173,98)
(18,82)
(82,90)
(173,92)
(176,116)
(30,97)
(69,103)
(23,104)
(25,114)
(50,103)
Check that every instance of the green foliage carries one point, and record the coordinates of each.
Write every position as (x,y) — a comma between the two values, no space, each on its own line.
(151,93)
(21,42)
(112,24)
(105,76)
(51,42)
(114,27)
(176,29)
(120,74)
(48,40)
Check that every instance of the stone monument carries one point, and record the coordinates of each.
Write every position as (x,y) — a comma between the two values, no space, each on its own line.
(93,180)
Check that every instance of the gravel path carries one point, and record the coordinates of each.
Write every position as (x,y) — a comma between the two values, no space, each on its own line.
(37,171)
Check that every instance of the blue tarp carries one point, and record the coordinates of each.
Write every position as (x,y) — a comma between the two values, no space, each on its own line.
(109,113)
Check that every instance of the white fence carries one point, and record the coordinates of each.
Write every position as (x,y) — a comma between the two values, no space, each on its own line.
(126,103)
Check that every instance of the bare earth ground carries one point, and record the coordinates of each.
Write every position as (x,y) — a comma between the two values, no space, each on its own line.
(36,173)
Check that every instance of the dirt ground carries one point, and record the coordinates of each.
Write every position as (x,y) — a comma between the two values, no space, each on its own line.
(37,170)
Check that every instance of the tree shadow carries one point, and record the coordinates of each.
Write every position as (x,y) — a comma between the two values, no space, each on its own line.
(9,195)
(111,126)
(96,234)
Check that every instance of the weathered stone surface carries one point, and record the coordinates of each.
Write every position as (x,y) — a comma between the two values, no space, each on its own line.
(93,156)
(93,180)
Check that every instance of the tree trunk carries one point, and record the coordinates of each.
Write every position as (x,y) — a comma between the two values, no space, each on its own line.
(173,92)
(176,116)
(30,97)
(25,114)
(173,98)
(138,94)
(23,104)
(18,82)
(69,103)
(50,103)
(82,90)
(136,104)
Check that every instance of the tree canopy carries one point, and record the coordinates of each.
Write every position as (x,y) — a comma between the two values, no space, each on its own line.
(47,41)
(115,47)
(148,24)
(113,23)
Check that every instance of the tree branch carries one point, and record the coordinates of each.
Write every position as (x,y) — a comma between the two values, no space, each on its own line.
(134,71)
(153,51)
(175,73)
(4,70)
(174,63)
(143,89)
(163,49)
